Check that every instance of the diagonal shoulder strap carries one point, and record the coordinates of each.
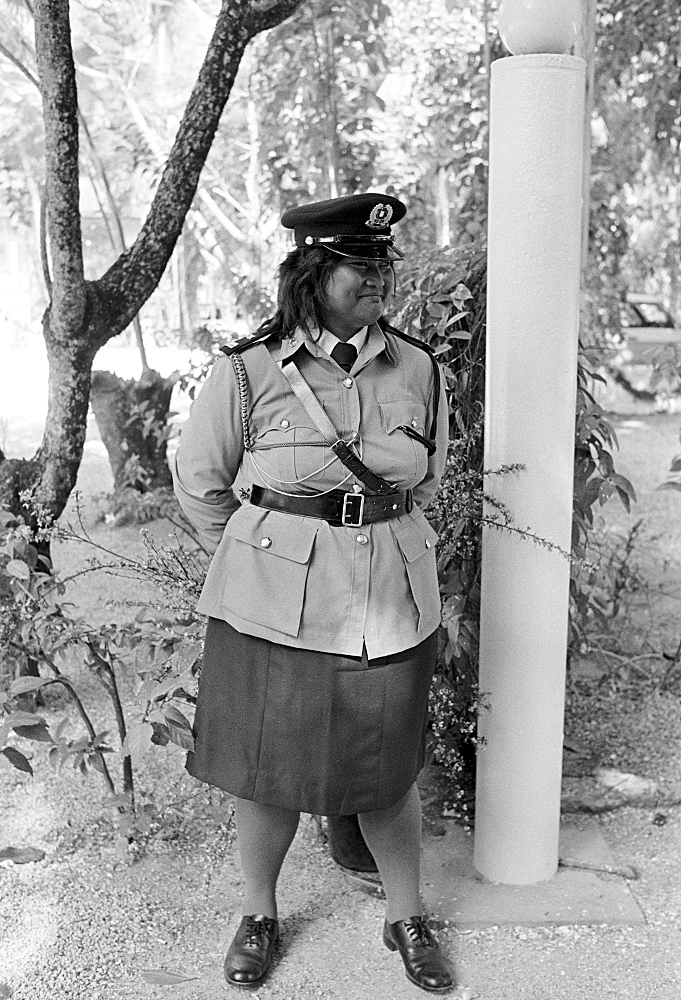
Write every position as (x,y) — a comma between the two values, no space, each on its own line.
(319,417)
(314,408)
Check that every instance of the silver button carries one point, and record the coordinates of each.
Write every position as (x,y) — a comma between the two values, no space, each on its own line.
(414,423)
(285,423)
(348,383)
(427,544)
(265,542)
(362,539)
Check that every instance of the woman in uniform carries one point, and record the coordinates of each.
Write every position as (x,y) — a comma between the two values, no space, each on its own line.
(322,595)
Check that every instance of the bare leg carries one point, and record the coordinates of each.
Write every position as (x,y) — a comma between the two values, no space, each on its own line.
(393,836)
(264,835)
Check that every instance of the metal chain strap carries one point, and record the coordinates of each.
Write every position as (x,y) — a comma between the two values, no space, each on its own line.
(242,383)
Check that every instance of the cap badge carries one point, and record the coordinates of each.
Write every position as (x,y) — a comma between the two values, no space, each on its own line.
(380,216)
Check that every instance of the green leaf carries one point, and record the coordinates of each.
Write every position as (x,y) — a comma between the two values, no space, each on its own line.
(23,684)
(161,735)
(21,856)
(152,691)
(180,736)
(17,759)
(40,734)
(18,569)
(173,714)
(670,485)
(159,977)
(137,739)
(622,483)
(15,719)
(605,491)
(457,317)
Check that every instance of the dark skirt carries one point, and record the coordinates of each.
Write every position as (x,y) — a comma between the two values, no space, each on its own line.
(316,732)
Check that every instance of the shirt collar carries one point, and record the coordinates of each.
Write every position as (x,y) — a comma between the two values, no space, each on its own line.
(328,340)
(373,341)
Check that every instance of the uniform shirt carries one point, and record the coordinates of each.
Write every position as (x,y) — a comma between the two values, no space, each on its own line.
(297,580)
(327,340)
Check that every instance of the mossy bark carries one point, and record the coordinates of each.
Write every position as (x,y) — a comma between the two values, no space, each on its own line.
(132,418)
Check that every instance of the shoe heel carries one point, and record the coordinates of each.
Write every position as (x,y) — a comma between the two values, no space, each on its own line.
(390,944)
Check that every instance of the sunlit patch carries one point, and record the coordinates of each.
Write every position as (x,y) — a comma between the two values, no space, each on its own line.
(35,925)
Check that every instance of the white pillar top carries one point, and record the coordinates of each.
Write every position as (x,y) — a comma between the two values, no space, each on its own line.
(537,26)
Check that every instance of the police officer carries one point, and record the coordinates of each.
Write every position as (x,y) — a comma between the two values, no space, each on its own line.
(330,427)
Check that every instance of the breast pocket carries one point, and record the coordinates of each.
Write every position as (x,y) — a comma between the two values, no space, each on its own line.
(416,540)
(409,457)
(268,555)
(288,452)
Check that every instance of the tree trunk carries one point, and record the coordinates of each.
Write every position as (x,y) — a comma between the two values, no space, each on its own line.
(132,417)
(84,315)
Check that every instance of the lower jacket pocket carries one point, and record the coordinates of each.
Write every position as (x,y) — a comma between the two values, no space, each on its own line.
(416,540)
(267,558)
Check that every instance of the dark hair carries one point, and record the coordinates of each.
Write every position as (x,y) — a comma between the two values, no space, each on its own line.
(301,297)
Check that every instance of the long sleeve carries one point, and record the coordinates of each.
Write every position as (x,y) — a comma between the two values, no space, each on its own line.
(208,457)
(427,488)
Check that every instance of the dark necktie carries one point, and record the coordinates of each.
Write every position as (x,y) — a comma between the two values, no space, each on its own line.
(344,355)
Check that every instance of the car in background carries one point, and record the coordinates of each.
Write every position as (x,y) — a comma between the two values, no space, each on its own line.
(646,329)
(642,368)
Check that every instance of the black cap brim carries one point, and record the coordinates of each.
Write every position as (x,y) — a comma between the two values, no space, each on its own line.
(362,252)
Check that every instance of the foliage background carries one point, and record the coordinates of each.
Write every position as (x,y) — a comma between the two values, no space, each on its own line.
(342,97)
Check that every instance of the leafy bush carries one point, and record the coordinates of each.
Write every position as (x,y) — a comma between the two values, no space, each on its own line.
(444,302)
(39,639)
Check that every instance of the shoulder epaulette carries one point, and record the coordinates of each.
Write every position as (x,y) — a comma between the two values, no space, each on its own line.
(410,340)
(387,328)
(243,343)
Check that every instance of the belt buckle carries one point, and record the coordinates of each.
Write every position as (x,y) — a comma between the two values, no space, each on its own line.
(346,515)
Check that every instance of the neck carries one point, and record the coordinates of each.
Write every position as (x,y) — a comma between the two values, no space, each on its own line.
(343,331)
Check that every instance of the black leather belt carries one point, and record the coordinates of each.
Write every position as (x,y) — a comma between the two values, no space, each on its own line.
(350,510)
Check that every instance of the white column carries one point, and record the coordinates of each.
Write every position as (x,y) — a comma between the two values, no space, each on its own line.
(537,104)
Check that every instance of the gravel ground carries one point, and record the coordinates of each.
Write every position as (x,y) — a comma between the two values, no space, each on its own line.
(87,921)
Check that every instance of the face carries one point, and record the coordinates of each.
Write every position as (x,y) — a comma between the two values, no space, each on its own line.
(357,294)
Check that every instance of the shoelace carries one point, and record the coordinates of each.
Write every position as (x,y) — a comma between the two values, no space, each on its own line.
(255,931)
(419,933)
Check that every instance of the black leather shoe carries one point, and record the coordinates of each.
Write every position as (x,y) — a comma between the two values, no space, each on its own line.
(420,953)
(250,953)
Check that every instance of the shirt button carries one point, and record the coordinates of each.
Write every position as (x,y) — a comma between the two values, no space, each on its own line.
(362,539)
(285,423)
(414,423)
(265,543)
(348,383)
(427,544)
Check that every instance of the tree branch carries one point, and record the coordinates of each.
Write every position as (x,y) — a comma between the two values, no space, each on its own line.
(19,65)
(268,13)
(131,279)
(60,112)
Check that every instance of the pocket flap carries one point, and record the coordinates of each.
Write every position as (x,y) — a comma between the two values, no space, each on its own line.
(273,533)
(415,538)
(395,412)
